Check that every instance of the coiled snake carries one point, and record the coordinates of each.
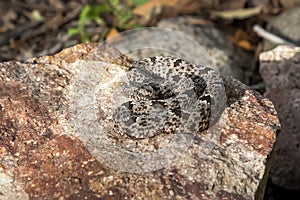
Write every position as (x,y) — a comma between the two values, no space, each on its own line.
(146,112)
(168,95)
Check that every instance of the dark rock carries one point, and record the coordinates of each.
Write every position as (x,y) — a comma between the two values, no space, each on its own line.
(288,31)
(280,69)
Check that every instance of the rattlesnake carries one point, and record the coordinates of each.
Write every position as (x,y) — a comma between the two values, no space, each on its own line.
(167,95)
(147,112)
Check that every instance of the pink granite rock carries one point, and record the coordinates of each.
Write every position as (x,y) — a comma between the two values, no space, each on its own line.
(47,160)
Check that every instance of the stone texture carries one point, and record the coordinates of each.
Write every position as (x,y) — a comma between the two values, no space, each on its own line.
(11,189)
(288,31)
(290,3)
(46,160)
(280,69)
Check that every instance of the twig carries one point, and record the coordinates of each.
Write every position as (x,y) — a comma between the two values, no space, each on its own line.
(34,29)
(270,36)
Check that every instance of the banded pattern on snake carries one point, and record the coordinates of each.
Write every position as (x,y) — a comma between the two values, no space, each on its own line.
(168,95)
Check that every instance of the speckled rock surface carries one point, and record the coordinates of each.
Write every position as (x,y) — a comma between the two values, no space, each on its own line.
(46,160)
(280,70)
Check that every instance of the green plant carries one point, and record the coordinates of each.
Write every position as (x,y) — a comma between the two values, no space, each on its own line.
(120,13)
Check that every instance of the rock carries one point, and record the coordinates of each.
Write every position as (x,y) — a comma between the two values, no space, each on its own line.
(280,27)
(280,70)
(10,189)
(43,153)
(290,3)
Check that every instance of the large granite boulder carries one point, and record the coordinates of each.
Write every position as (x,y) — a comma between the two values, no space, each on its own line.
(42,156)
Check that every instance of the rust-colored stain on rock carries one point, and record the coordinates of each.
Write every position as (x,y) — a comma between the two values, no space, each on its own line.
(25,124)
(249,119)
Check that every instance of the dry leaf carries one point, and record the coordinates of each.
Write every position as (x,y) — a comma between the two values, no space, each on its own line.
(242,39)
(153,10)
(237,14)
(242,35)
(112,32)
(199,22)
(231,4)
(245,44)
(36,15)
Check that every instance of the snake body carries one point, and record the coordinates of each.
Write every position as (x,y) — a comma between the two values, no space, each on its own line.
(167,95)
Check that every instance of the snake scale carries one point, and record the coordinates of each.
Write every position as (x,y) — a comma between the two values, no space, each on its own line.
(166,95)
(145,112)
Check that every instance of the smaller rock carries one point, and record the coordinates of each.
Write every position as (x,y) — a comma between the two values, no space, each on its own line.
(280,69)
(288,31)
